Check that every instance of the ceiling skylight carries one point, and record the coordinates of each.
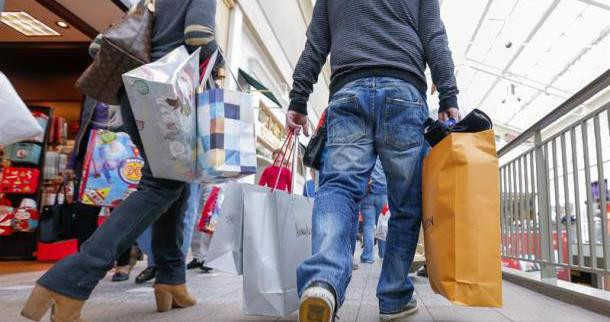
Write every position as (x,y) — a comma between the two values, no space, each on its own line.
(26,24)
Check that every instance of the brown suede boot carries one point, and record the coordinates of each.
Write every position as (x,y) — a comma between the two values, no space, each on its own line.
(63,308)
(172,296)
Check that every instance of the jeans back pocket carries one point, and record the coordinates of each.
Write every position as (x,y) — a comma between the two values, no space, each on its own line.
(404,122)
(345,121)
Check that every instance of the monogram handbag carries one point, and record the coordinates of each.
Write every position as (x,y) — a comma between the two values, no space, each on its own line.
(125,46)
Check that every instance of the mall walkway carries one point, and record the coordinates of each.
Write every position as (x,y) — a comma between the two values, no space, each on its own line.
(220,299)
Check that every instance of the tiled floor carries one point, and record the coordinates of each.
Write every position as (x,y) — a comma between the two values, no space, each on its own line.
(220,299)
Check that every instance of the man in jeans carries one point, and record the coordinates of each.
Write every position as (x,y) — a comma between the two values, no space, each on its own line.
(379,51)
(370,206)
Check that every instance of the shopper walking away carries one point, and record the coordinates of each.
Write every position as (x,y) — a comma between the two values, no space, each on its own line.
(370,207)
(379,51)
(269,178)
(158,201)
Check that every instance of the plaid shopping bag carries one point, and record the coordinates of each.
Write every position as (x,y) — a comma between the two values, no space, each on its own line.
(226,141)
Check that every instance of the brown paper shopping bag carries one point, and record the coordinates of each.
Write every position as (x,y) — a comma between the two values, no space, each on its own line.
(461,204)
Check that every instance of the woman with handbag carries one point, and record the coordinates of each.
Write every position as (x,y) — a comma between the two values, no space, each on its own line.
(158,202)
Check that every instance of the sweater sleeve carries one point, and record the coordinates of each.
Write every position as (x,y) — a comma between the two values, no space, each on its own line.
(312,58)
(200,26)
(264,178)
(438,56)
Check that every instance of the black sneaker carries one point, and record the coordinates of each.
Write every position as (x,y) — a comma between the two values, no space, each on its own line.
(422,272)
(120,277)
(407,310)
(146,275)
(195,263)
(204,268)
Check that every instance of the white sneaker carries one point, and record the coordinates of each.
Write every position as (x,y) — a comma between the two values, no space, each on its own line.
(317,304)
(407,310)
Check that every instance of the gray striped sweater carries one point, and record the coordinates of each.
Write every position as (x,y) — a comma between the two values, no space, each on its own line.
(184,22)
(375,38)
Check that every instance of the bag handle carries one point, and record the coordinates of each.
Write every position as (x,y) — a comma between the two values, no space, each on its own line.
(61,186)
(285,153)
(207,69)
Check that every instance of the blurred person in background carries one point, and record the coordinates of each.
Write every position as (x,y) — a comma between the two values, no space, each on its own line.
(370,206)
(269,178)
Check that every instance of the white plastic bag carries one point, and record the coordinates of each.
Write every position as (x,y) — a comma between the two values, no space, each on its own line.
(16,120)
(381,232)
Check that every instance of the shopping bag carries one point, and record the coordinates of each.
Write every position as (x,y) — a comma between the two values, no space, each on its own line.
(17,123)
(124,46)
(277,238)
(225,121)
(226,247)
(225,132)
(381,231)
(462,219)
(162,98)
(56,220)
(112,169)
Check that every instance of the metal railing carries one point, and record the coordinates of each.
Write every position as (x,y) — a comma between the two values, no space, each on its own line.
(554,203)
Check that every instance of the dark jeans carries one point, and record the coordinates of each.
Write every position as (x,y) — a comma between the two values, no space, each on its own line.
(86,224)
(158,201)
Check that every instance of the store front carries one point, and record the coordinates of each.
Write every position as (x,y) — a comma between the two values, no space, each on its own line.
(43,50)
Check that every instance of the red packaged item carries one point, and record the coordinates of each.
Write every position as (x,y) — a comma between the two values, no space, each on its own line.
(6,220)
(26,217)
(20,180)
(52,252)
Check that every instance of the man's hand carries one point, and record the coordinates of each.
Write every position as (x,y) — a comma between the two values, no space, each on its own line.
(296,121)
(450,113)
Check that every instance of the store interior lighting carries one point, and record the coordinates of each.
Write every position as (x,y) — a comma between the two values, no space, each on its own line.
(26,24)
(62,24)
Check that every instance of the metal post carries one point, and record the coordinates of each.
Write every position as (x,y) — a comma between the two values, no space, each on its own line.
(581,260)
(534,213)
(520,234)
(558,230)
(527,207)
(546,238)
(589,202)
(566,191)
(603,203)
(513,221)
(503,212)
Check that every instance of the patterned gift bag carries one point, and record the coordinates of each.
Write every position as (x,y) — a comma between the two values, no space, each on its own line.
(225,136)
(162,97)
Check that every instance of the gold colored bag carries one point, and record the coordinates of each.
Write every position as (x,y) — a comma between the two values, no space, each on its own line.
(461,204)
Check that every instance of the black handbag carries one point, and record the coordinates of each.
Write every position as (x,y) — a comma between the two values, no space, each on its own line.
(56,221)
(313,152)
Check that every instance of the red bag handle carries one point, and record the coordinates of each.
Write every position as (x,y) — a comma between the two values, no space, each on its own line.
(286,152)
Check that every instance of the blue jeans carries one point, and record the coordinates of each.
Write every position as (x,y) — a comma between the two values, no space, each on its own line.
(145,240)
(158,202)
(371,207)
(367,118)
